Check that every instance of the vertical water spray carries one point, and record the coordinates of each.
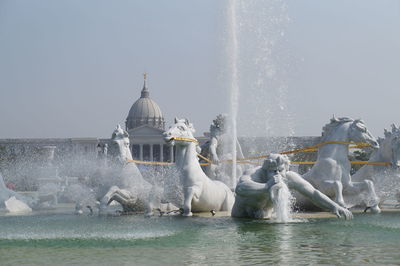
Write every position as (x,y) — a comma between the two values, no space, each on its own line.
(260,64)
(255,29)
(234,82)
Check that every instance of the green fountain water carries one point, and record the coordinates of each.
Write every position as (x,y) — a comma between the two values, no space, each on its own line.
(62,239)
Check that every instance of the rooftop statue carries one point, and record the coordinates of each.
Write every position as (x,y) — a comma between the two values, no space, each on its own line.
(255,190)
(200,192)
(218,149)
(331,172)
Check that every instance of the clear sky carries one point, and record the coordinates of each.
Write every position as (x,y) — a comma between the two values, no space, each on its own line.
(74,68)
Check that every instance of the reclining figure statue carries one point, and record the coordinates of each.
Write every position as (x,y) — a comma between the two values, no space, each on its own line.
(254,190)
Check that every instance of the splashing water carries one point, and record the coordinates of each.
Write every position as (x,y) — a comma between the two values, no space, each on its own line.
(282,201)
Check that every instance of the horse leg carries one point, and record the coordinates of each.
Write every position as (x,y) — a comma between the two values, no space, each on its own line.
(337,188)
(106,198)
(368,186)
(228,202)
(153,202)
(187,204)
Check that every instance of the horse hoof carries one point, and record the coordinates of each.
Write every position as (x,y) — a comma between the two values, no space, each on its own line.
(189,214)
(375,209)
(148,214)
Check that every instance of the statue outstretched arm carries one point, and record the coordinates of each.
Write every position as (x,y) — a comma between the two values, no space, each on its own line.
(249,188)
(296,182)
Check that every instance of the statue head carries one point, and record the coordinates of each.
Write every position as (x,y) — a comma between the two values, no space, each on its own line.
(276,164)
(119,147)
(218,126)
(358,132)
(181,129)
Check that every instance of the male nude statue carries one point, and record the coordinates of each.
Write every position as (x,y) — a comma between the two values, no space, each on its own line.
(253,192)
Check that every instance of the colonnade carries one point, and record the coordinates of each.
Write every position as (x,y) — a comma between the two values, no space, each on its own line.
(139,152)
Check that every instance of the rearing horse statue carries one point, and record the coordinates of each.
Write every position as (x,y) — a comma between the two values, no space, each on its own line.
(384,173)
(200,192)
(129,189)
(331,172)
(389,151)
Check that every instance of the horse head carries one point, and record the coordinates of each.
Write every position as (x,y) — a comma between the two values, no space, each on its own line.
(119,147)
(181,129)
(390,145)
(358,132)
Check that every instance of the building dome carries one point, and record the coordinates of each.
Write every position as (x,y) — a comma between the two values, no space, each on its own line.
(145,111)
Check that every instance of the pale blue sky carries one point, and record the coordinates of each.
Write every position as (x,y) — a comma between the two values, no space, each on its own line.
(74,68)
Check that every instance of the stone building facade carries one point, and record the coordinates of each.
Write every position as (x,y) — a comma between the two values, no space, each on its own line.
(145,124)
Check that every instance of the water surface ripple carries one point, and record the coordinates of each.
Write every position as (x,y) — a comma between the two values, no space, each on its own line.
(64,239)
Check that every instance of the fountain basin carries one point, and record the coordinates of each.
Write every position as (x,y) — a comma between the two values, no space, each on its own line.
(60,237)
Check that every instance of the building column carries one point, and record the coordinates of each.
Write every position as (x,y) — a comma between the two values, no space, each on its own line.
(161,152)
(141,152)
(151,153)
(171,154)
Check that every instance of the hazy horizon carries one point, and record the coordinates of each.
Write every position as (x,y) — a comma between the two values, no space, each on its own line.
(74,68)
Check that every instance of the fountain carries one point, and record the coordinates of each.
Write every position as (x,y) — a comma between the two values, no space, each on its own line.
(263,190)
(264,228)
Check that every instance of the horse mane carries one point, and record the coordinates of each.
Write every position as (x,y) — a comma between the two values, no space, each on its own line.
(334,123)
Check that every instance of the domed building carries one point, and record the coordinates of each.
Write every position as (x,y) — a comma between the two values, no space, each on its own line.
(146,112)
(146,124)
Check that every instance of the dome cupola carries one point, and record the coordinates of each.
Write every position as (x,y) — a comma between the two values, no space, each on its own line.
(145,111)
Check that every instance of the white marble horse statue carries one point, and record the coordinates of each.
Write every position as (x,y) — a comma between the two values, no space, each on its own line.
(132,191)
(201,194)
(385,177)
(331,172)
(389,151)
